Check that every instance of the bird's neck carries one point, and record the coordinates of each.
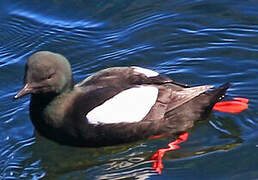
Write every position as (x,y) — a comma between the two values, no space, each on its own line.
(43,111)
(42,100)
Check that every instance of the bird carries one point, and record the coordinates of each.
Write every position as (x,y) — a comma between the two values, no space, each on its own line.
(113,106)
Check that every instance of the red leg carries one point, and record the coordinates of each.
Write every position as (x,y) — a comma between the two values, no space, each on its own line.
(157,136)
(235,106)
(157,157)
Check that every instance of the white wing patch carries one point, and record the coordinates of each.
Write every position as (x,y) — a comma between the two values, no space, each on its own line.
(146,72)
(129,106)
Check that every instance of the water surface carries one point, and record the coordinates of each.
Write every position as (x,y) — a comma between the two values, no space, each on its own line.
(194,42)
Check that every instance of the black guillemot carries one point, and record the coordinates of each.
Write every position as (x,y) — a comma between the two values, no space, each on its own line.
(113,106)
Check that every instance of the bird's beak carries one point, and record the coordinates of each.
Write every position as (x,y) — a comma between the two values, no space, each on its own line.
(27,89)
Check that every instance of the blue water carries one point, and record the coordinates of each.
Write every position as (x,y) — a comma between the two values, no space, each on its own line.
(195,42)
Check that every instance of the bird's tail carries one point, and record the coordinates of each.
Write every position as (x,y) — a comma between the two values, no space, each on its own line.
(218,94)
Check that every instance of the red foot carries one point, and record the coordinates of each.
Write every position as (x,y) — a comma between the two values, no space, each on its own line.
(236,106)
(157,157)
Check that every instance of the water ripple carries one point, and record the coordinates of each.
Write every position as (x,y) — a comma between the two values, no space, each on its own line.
(197,42)
(12,158)
(120,54)
(41,19)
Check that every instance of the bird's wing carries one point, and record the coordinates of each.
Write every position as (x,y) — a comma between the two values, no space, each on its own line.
(127,76)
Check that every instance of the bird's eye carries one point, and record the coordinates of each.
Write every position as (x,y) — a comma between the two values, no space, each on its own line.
(50,76)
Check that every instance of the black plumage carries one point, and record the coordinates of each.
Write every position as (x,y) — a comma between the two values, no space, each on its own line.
(58,108)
